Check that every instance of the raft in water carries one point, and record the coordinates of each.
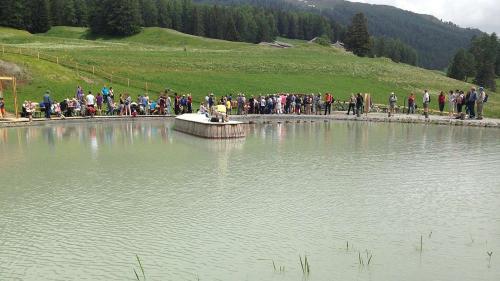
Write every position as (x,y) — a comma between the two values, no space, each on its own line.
(199,125)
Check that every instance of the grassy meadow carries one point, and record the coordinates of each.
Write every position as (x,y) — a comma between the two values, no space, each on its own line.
(188,64)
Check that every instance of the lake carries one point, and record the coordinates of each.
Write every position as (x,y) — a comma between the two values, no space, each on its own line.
(79,201)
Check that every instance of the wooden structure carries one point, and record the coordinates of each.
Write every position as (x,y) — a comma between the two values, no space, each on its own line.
(14,90)
(199,125)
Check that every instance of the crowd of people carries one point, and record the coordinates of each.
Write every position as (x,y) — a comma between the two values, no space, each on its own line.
(105,102)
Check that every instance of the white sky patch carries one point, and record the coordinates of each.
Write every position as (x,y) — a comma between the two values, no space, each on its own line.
(482,14)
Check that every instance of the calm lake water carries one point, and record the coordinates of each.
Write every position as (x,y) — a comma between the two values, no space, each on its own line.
(79,201)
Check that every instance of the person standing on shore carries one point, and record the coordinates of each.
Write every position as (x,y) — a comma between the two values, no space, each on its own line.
(426,100)
(2,107)
(392,104)
(90,102)
(359,104)
(460,103)
(168,103)
(105,92)
(411,104)
(79,93)
(47,102)
(328,103)
(452,100)
(472,102)
(352,104)
(441,101)
(481,98)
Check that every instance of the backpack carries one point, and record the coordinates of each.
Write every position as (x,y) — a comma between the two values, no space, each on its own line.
(429,98)
(485,97)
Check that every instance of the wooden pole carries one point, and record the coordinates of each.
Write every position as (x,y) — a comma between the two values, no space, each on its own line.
(128,83)
(111,80)
(93,70)
(57,60)
(3,49)
(146,87)
(14,91)
(76,66)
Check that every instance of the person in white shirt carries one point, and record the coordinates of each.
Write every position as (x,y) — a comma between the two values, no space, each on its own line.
(452,98)
(426,100)
(90,100)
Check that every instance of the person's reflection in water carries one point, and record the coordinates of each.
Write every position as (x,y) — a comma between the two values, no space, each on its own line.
(94,144)
(48,133)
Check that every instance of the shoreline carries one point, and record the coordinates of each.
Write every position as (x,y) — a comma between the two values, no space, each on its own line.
(273,118)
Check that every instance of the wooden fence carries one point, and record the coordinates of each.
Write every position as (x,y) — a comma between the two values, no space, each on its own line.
(80,68)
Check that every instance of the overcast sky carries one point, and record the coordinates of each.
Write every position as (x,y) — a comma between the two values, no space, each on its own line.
(482,14)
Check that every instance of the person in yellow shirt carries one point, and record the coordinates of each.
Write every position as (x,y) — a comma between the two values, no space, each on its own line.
(228,107)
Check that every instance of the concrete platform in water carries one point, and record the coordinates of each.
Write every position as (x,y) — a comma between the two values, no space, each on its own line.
(199,125)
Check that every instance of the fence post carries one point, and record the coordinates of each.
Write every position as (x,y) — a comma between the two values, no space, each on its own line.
(146,87)
(38,55)
(57,60)
(128,83)
(20,52)
(93,70)
(111,80)
(3,49)
(76,66)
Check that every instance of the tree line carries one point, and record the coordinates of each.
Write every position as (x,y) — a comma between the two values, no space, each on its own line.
(126,17)
(481,62)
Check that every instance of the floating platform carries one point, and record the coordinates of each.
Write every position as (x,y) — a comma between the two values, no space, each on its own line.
(199,125)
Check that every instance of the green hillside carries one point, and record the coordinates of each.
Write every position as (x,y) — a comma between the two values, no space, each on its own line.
(190,64)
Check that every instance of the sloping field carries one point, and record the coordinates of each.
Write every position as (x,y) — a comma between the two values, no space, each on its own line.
(188,64)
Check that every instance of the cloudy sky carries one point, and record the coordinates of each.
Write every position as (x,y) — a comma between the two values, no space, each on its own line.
(482,14)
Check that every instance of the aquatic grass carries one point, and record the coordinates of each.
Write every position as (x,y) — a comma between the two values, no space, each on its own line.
(360,259)
(306,269)
(279,269)
(141,268)
(489,257)
(421,243)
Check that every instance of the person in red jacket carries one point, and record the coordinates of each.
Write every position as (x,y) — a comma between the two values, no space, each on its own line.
(441,101)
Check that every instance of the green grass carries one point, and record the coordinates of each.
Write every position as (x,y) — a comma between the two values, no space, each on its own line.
(189,64)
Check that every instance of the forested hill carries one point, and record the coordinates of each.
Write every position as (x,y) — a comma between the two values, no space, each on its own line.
(434,40)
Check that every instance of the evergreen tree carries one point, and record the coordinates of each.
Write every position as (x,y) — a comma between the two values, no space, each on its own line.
(282,24)
(56,8)
(81,13)
(187,23)
(263,29)
(485,49)
(174,10)
(231,33)
(12,13)
(357,38)
(149,12)
(457,68)
(197,22)
(68,13)
(292,26)
(97,16)
(38,16)
(122,17)
(163,13)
